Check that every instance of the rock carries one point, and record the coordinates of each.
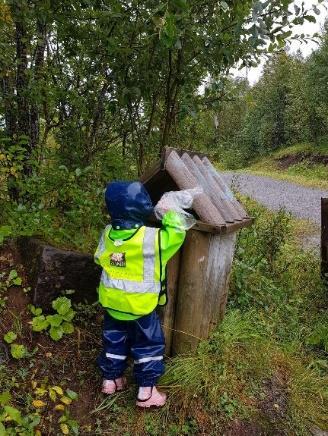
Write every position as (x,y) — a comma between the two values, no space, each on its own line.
(51,270)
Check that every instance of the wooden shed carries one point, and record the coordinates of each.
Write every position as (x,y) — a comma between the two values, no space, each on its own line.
(198,275)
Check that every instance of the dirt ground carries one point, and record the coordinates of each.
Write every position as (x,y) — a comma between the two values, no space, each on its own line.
(293,159)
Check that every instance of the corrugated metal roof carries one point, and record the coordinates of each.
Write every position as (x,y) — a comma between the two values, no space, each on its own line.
(217,209)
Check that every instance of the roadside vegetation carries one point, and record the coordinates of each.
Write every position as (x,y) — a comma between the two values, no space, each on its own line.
(305,164)
(263,369)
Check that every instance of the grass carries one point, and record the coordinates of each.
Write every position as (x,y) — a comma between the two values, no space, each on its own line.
(304,173)
(263,370)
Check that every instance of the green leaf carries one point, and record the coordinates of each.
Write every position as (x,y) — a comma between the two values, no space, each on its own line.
(14,414)
(68,327)
(52,394)
(12,275)
(74,426)
(56,333)
(5,398)
(69,315)
(71,394)
(169,31)
(17,281)
(62,305)
(2,428)
(39,323)
(55,320)
(310,18)
(34,310)
(9,337)
(285,35)
(17,351)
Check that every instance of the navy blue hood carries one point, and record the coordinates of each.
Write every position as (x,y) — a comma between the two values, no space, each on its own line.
(128,204)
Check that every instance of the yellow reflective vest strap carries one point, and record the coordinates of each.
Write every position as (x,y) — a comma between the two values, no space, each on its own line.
(132,280)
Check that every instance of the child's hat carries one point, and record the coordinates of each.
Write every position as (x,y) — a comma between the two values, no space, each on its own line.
(128,204)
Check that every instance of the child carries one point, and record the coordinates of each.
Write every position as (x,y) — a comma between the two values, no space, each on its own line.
(132,284)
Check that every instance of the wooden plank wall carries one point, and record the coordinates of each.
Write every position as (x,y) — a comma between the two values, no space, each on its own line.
(167,313)
(203,287)
(324,239)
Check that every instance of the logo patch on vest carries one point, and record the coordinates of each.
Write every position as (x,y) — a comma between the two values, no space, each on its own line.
(117,259)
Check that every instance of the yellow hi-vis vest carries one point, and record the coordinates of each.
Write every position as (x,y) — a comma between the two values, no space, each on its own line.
(132,280)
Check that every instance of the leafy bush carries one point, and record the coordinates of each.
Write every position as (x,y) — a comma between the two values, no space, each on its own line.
(59,323)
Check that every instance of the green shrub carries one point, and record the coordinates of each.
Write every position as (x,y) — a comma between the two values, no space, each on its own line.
(59,323)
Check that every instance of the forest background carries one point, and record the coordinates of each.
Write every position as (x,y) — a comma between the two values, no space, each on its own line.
(93,90)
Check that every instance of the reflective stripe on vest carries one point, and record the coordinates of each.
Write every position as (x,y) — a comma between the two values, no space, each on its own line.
(101,246)
(148,284)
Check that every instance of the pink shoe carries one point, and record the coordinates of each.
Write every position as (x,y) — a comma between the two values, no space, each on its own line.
(111,386)
(150,397)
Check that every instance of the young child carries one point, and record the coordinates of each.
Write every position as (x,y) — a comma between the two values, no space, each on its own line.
(132,285)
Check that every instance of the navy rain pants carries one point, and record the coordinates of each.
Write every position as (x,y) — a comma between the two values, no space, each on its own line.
(143,339)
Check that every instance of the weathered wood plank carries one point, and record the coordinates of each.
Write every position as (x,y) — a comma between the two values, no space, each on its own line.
(167,312)
(231,228)
(190,298)
(203,288)
(151,172)
(324,239)
(200,226)
(216,283)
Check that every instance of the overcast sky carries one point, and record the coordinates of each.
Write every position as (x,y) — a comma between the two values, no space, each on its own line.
(306,28)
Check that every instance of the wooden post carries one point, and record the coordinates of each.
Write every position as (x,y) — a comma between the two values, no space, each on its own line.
(167,312)
(324,239)
(203,286)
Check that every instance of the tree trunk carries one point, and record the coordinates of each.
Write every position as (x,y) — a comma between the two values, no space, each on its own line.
(166,128)
(23,123)
(8,98)
(97,117)
(39,60)
(172,89)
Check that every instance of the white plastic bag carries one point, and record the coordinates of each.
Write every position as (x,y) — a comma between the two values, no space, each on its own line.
(178,201)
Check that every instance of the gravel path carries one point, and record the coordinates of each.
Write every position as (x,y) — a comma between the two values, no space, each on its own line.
(301,201)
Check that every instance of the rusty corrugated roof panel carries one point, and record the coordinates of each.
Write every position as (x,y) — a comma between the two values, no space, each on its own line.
(216,208)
